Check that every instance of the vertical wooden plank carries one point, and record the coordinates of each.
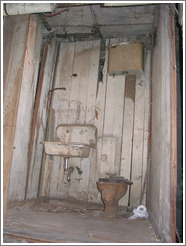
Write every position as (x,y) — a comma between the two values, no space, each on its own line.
(108,157)
(146,81)
(92,83)
(14,45)
(137,152)
(40,117)
(35,115)
(127,136)
(82,67)
(60,104)
(53,179)
(173,171)
(61,99)
(74,106)
(101,98)
(94,194)
(25,110)
(89,164)
(84,82)
(77,107)
(81,93)
(113,121)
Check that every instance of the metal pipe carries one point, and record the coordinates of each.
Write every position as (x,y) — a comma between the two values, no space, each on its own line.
(66,164)
(26,8)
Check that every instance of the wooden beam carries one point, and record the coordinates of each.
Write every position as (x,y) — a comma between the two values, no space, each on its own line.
(128,131)
(173,129)
(37,101)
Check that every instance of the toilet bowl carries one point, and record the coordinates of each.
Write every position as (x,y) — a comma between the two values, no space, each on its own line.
(112,190)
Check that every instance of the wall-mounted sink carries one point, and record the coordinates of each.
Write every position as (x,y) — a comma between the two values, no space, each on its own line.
(72,141)
(78,150)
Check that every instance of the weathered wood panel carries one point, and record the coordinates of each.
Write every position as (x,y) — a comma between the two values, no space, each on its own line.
(128,130)
(59,107)
(14,46)
(113,121)
(77,111)
(146,122)
(74,105)
(25,110)
(174,118)
(40,117)
(159,185)
(85,186)
(95,167)
(137,151)
(141,132)
(110,107)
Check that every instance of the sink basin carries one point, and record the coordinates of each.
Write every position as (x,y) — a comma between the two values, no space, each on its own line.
(67,149)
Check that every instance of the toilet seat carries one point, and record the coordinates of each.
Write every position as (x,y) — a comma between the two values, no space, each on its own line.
(116,180)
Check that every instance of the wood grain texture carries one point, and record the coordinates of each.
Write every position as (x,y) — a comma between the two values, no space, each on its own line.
(25,110)
(77,71)
(45,84)
(127,135)
(146,122)
(15,30)
(110,106)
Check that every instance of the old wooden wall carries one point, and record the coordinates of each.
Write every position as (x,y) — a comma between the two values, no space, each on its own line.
(118,107)
(14,46)
(28,49)
(159,176)
(40,118)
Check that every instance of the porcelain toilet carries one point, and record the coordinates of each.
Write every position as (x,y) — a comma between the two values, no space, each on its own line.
(112,190)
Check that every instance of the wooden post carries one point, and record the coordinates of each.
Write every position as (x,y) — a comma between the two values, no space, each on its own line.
(14,46)
(173,130)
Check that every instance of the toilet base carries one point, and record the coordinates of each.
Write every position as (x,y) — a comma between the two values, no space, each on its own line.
(111,192)
(109,215)
(111,211)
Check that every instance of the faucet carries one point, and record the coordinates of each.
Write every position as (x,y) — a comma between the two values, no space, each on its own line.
(71,169)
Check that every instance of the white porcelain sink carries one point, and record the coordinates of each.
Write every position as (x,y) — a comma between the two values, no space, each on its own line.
(67,149)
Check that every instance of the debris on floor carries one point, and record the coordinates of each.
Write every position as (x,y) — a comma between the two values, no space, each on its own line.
(53,221)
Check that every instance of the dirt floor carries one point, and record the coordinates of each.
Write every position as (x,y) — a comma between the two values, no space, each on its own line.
(54,221)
